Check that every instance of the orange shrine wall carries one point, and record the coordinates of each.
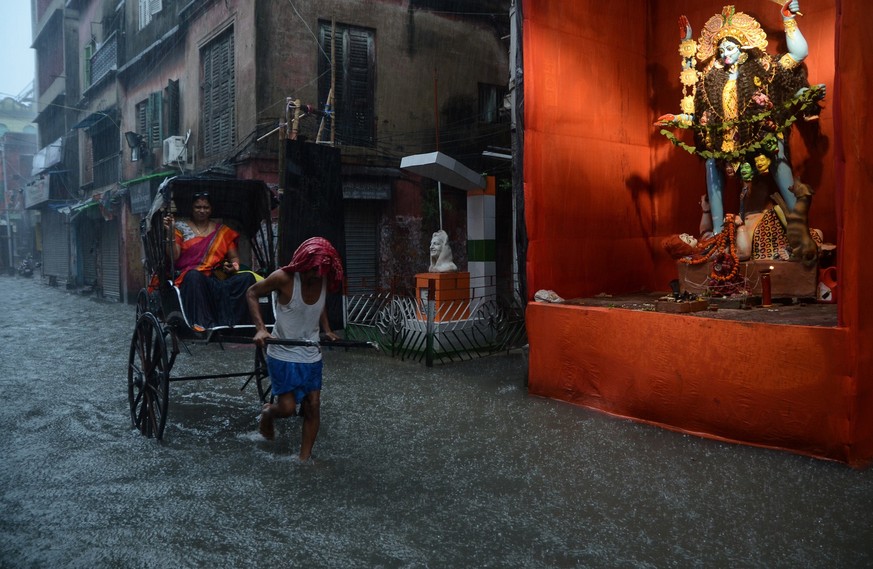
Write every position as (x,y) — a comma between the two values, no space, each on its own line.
(603,188)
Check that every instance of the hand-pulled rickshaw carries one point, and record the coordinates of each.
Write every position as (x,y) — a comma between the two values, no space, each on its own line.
(161,322)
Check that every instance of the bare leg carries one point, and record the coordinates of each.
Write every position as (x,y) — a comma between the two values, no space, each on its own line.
(311,423)
(283,407)
(784,178)
(798,197)
(715,189)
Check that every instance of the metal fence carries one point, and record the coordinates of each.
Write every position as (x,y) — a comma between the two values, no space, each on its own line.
(430,329)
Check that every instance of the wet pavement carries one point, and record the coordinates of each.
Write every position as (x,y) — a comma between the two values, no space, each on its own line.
(451,466)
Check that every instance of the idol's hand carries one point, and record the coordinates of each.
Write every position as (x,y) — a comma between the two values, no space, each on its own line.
(665,120)
(790,9)
(673,120)
(821,91)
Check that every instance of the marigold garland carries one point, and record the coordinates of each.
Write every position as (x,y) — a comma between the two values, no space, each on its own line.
(805,100)
(723,245)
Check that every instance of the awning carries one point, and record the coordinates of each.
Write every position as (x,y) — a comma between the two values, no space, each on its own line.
(62,206)
(83,205)
(92,119)
(47,157)
(147,177)
(443,168)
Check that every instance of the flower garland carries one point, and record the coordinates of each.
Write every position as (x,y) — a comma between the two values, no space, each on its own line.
(722,250)
(805,100)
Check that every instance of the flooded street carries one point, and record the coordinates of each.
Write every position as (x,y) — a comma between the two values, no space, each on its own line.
(451,466)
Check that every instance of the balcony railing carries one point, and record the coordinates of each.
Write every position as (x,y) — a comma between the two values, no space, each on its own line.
(104,60)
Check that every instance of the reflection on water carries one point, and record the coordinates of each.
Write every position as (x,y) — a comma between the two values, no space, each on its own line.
(453,466)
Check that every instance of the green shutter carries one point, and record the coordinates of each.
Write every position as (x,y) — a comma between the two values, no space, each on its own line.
(173,127)
(155,121)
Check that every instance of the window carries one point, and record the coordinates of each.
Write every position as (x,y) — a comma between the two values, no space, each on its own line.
(142,121)
(149,120)
(218,103)
(105,149)
(172,104)
(50,55)
(103,60)
(354,93)
(158,116)
(490,103)
(147,9)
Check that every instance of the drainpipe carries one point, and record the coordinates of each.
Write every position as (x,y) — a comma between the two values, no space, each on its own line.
(9,233)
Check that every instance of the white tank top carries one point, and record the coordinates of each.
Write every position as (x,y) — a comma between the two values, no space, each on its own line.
(297,321)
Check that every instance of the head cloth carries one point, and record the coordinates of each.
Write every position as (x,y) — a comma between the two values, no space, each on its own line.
(317,253)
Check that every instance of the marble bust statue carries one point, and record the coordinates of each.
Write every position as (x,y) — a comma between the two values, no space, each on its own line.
(441,253)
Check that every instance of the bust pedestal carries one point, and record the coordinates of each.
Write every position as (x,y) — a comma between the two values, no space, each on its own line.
(451,294)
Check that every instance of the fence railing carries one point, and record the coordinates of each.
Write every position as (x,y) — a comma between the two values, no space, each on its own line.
(436,327)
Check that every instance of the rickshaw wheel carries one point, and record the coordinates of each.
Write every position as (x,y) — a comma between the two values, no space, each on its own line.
(142,303)
(262,377)
(148,377)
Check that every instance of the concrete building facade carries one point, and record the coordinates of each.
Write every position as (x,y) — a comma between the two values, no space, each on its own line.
(156,88)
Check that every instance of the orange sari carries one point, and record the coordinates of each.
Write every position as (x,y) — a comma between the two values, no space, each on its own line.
(202,253)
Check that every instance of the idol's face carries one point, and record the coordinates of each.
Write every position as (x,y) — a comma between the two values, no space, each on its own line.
(688,239)
(728,52)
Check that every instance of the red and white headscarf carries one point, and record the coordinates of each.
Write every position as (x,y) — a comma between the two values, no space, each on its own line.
(318,253)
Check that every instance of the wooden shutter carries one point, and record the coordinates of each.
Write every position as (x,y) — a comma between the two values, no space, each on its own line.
(354,92)
(358,106)
(172,107)
(155,121)
(142,120)
(219,95)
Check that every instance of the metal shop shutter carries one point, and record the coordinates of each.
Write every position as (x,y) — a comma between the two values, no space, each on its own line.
(55,245)
(362,219)
(88,238)
(109,244)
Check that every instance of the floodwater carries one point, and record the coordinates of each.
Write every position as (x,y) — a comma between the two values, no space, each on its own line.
(451,466)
